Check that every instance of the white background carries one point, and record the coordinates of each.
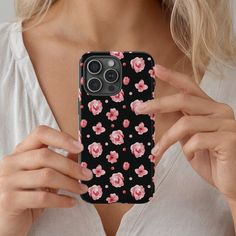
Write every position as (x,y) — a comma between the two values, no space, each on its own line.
(6,10)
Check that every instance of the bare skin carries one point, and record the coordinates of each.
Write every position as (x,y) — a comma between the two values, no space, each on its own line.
(70,29)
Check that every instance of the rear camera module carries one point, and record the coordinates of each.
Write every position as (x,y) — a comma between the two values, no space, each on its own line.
(111,75)
(94,67)
(111,63)
(102,75)
(94,85)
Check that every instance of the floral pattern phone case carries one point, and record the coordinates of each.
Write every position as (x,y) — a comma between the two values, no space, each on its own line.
(117,141)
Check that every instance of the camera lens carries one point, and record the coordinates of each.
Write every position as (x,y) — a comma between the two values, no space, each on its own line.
(111,76)
(94,85)
(94,67)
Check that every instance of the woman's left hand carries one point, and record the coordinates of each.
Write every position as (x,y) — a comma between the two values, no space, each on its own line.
(207,130)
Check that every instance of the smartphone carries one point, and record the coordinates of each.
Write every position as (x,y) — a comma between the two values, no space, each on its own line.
(117,141)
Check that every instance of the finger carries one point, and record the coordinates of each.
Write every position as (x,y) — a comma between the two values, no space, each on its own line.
(185,103)
(180,81)
(214,141)
(187,126)
(45,158)
(45,178)
(72,156)
(22,200)
(45,136)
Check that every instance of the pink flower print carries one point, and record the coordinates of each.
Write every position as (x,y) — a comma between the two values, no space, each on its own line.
(83,123)
(152,73)
(117,180)
(141,129)
(126,80)
(134,104)
(137,192)
(141,171)
(141,86)
(98,129)
(95,149)
(95,106)
(82,81)
(126,123)
(99,171)
(117,137)
(138,64)
(83,164)
(126,165)
(79,95)
(95,192)
(112,115)
(119,55)
(152,158)
(119,97)
(113,198)
(112,157)
(137,149)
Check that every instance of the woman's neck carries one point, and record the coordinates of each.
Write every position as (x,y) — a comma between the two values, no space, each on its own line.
(108,23)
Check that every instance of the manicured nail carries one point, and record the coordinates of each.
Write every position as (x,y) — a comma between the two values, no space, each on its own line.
(87,172)
(140,108)
(159,69)
(77,145)
(156,149)
(84,188)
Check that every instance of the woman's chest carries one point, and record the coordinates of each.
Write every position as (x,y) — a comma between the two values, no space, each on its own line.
(181,206)
(58,79)
(58,74)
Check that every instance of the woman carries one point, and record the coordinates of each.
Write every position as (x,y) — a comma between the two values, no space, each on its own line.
(196,129)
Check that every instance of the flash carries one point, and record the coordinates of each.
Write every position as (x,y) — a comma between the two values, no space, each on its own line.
(110,63)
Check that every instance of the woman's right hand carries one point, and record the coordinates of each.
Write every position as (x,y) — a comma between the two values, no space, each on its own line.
(28,173)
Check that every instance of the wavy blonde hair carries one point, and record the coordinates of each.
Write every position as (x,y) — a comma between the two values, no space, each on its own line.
(202,29)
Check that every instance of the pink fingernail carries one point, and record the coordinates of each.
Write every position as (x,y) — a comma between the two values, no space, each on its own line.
(87,172)
(84,188)
(77,145)
(159,69)
(140,107)
(155,149)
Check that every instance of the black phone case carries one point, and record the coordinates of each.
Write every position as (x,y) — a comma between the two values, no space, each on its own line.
(117,141)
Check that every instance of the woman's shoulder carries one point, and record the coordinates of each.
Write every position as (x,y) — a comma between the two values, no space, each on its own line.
(221,82)
(8,45)
(5,28)
(5,31)
(5,52)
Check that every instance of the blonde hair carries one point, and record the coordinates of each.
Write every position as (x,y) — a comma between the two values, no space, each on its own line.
(202,29)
